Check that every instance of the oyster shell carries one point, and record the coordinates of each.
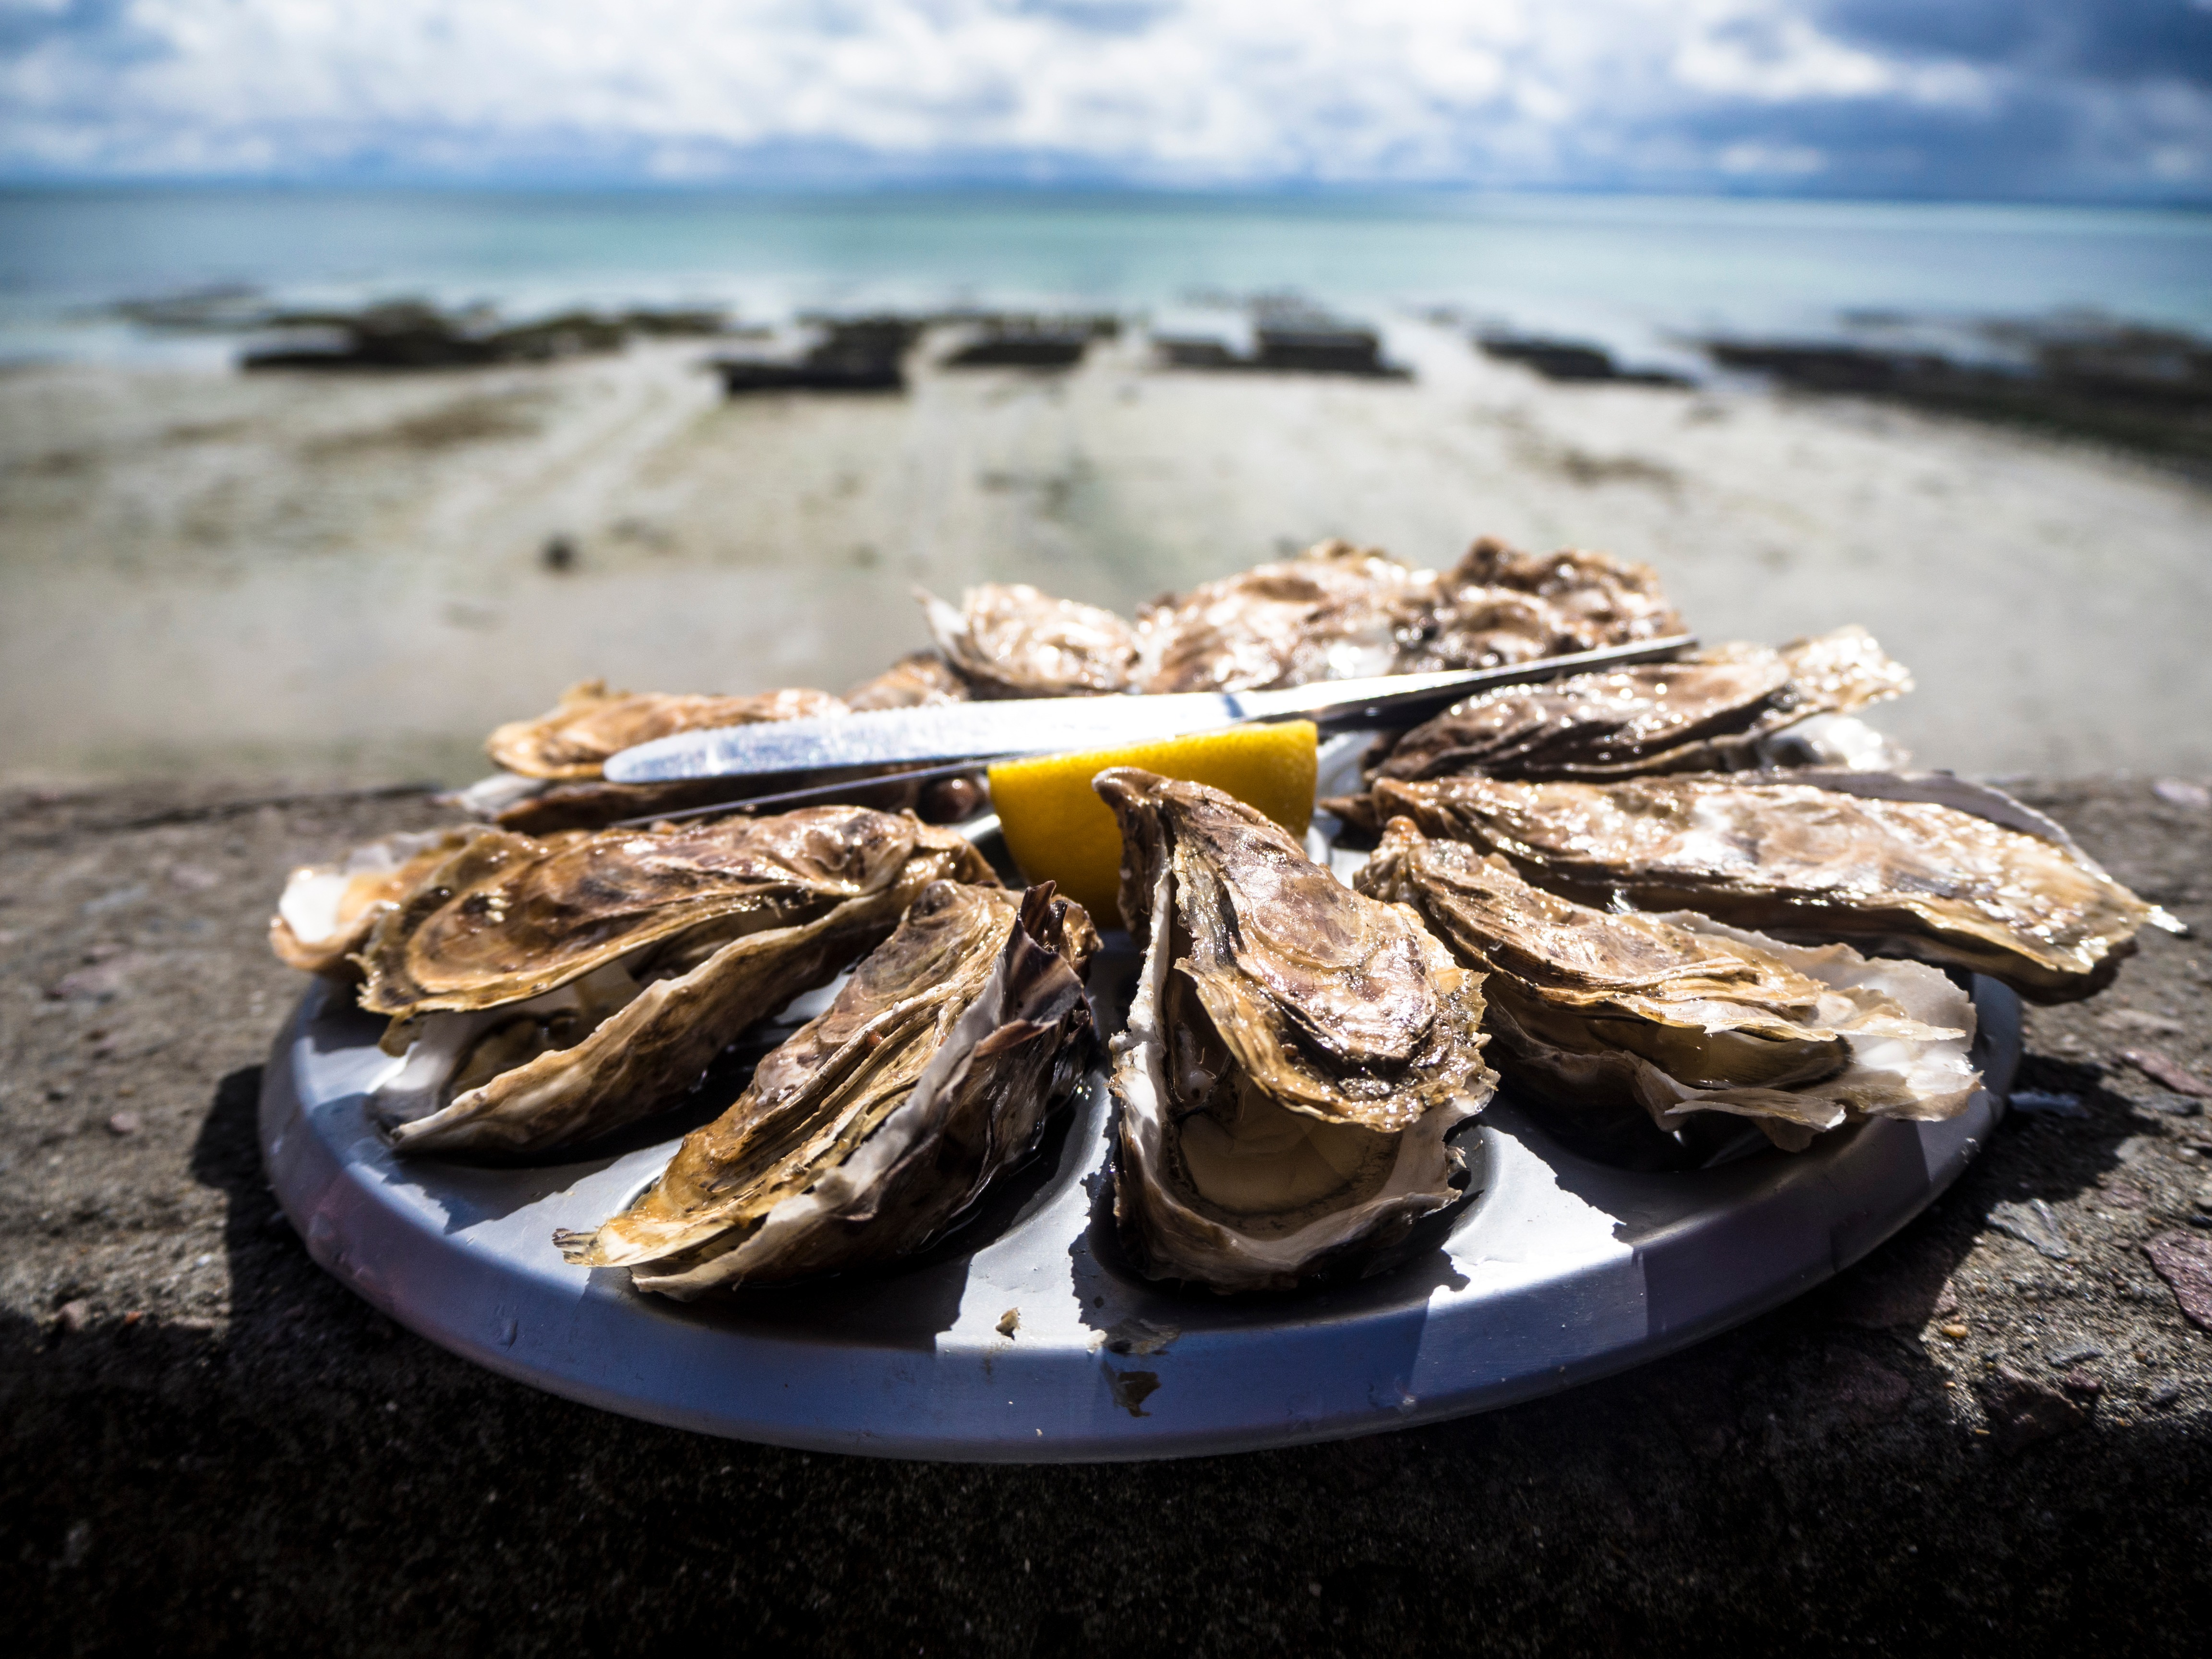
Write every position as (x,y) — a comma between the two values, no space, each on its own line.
(1599,1010)
(591,723)
(1710,712)
(327,911)
(878,1124)
(1332,613)
(550,992)
(921,679)
(1008,639)
(1294,1057)
(1930,868)
(1499,605)
(511,916)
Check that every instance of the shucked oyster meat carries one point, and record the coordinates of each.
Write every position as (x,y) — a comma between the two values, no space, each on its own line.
(1600,1011)
(1879,860)
(1709,712)
(1008,639)
(547,992)
(1294,1057)
(881,1122)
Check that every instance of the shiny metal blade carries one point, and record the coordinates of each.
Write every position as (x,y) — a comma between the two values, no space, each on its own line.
(1046,725)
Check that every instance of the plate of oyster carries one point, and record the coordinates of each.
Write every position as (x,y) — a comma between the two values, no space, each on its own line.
(1589,1017)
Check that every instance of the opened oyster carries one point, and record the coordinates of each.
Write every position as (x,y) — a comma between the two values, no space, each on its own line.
(1500,605)
(1600,1011)
(592,724)
(1332,613)
(327,911)
(1008,639)
(1713,711)
(921,679)
(879,1123)
(1931,867)
(547,992)
(1294,1057)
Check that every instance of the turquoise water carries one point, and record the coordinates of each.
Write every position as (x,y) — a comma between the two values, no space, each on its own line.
(1631,271)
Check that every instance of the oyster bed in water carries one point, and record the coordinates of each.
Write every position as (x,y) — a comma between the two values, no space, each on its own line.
(879,1123)
(1294,1057)
(1898,876)
(549,991)
(1595,1010)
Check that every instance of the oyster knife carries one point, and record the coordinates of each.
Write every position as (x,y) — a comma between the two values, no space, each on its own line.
(1046,726)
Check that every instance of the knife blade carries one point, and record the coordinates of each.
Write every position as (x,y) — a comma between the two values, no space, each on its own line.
(1049,726)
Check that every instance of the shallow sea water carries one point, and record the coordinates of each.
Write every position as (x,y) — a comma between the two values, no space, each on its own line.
(1638,273)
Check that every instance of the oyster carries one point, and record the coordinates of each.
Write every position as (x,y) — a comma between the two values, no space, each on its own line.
(1713,711)
(1600,1011)
(546,991)
(921,679)
(1498,606)
(1332,613)
(591,723)
(327,911)
(1008,639)
(878,1124)
(1294,1057)
(1931,868)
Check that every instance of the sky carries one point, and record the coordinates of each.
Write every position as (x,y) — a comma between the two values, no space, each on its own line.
(2035,100)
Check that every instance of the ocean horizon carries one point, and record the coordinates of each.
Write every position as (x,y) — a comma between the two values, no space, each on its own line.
(1641,274)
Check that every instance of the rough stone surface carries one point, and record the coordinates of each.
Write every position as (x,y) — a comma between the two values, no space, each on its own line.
(207,1445)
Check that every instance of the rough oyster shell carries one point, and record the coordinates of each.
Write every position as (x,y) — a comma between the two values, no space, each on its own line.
(1332,613)
(511,917)
(1499,605)
(1008,639)
(1706,712)
(1678,1014)
(880,1123)
(591,723)
(642,956)
(1930,868)
(1294,1057)
(921,679)
(327,911)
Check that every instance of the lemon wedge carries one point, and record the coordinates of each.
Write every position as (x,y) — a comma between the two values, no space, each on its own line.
(1058,831)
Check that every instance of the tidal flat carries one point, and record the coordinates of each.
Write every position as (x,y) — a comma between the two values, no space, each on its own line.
(350,578)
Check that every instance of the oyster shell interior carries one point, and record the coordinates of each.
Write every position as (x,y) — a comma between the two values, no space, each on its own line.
(883,1120)
(546,993)
(1599,1011)
(1930,869)
(1295,1056)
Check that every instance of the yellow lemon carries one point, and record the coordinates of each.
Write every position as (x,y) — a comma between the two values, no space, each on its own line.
(1058,831)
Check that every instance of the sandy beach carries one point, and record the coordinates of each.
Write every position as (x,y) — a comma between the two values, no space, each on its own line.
(336,578)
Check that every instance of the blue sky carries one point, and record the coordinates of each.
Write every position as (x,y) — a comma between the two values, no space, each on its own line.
(2085,100)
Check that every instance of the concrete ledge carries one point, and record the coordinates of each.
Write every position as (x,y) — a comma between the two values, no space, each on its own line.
(206,1444)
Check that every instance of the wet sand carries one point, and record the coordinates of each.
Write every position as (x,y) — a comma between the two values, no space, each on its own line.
(328,578)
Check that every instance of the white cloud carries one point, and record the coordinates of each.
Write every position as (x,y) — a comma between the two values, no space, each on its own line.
(1165,90)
